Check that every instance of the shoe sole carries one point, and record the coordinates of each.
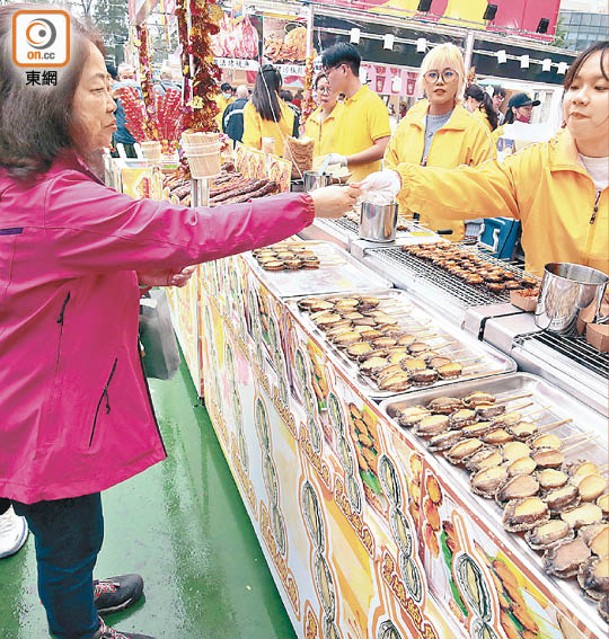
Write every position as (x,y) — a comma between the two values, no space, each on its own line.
(108,611)
(18,546)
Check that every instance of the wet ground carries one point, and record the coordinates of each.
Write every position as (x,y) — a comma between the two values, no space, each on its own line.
(182,526)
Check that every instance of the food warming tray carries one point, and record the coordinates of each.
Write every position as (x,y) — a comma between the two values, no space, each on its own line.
(448,340)
(337,272)
(550,405)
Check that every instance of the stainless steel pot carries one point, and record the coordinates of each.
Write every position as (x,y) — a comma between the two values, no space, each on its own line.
(314,180)
(566,291)
(377,223)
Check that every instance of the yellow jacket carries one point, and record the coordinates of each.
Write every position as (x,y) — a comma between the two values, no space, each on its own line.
(464,139)
(255,128)
(322,132)
(564,218)
(222,103)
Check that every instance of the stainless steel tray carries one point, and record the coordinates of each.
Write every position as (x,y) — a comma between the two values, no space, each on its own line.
(549,405)
(338,272)
(480,360)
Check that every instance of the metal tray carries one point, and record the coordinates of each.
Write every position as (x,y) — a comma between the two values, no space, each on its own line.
(449,340)
(338,272)
(550,405)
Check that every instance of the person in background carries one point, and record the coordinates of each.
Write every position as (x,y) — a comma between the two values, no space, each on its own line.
(362,129)
(223,99)
(297,101)
(77,418)
(13,530)
(320,125)
(288,98)
(439,131)
(126,78)
(232,121)
(266,115)
(498,100)
(166,82)
(558,189)
(478,102)
(520,108)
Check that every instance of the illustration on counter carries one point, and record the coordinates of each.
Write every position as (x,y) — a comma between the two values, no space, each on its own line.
(402,529)
(269,475)
(322,573)
(236,406)
(387,630)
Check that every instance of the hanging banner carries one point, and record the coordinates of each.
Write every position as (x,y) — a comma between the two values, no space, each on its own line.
(285,41)
(535,19)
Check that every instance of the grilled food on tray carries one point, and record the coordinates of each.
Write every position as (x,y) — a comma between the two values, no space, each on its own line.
(561,507)
(286,256)
(386,352)
(471,267)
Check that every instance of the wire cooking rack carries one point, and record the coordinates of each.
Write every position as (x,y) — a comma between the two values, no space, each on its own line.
(575,348)
(467,294)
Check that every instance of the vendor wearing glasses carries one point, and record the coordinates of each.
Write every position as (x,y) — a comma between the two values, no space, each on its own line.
(321,124)
(438,130)
(362,127)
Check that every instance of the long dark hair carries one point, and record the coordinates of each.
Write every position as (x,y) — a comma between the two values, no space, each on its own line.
(36,122)
(486,103)
(265,96)
(574,69)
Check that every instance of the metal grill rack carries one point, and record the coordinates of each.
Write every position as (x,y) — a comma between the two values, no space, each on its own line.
(346,225)
(575,349)
(466,294)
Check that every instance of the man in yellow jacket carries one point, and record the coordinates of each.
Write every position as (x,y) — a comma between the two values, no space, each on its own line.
(362,128)
(223,99)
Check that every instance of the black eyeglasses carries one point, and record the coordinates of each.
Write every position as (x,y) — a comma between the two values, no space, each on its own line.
(447,75)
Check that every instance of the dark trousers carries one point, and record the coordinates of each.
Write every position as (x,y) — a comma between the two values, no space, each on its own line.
(5,504)
(68,536)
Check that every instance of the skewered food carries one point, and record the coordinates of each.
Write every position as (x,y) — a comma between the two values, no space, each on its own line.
(489,411)
(460,452)
(547,440)
(525,514)
(432,425)
(444,405)
(497,436)
(548,457)
(517,487)
(550,478)
(592,486)
(449,370)
(444,441)
(487,481)
(283,256)
(597,538)
(462,417)
(580,469)
(603,503)
(593,576)
(522,430)
(357,350)
(410,415)
(582,515)
(396,383)
(477,429)
(478,398)
(561,498)
(564,559)
(549,534)
(515,450)
(521,466)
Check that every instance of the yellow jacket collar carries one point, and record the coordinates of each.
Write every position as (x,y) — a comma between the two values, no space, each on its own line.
(564,155)
(458,121)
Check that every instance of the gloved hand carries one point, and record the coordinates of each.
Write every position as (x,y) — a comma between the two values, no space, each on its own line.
(336,158)
(387,182)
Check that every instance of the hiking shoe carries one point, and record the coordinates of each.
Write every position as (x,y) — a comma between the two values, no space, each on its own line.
(117,593)
(105,632)
(13,533)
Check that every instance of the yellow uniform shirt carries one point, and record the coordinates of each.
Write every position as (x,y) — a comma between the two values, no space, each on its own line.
(483,117)
(255,128)
(464,139)
(222,103)
(322,132)
(564,218)
(363,120)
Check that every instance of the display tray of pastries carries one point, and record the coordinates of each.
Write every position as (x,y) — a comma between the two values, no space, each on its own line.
(539,458)
(389,344)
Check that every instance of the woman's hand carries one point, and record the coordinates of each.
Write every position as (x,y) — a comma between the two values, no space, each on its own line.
(334,201)
(166,278)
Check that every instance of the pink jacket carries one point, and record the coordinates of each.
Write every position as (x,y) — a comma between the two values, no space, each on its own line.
(75,412)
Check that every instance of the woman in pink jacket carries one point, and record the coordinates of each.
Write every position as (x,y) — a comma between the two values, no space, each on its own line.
(76,416)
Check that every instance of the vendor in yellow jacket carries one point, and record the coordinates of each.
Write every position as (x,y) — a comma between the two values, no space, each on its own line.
(440,132)
(266,115)
(223,99)
(558,189)
(362,126)
(320,125)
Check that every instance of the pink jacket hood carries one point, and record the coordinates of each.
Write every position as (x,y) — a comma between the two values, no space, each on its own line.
(75,413)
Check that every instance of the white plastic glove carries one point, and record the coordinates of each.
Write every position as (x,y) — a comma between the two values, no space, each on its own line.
(387,182)
(335,158)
